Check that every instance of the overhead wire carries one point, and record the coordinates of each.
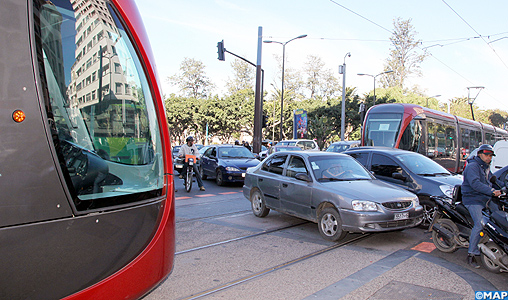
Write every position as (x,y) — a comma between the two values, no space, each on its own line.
(424,48)
(488,44)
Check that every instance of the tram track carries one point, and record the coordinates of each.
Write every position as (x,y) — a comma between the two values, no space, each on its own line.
(215,216)
(241,280)
(239,238)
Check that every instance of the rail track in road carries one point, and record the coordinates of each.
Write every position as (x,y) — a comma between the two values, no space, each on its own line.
(245,279)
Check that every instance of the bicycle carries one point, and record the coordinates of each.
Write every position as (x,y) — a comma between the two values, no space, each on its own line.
(189,159)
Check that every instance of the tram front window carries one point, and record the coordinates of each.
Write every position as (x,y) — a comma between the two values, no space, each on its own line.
(99,106)
(381,129)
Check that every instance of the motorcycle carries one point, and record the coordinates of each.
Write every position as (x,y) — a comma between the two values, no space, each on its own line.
(452,224)
(187,177)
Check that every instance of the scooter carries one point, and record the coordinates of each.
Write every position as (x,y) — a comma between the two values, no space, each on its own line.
(452,224)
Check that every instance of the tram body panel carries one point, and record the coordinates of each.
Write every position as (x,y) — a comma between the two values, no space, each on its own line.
(31,188)
(97,224)
(93,247)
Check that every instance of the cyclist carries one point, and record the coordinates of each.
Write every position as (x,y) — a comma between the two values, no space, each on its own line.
(476,191)
(190,149)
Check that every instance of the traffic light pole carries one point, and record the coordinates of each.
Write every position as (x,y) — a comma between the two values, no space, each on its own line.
(258,102)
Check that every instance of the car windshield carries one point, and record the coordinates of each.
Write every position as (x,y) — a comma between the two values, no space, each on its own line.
(338,168)
(286,143)
(288,148)
(422,165)
(235,152)
(337,148)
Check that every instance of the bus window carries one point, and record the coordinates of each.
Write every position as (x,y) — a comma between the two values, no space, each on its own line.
(382,129)
(99,107)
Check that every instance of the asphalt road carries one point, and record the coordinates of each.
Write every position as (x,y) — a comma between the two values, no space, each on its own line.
(224,252)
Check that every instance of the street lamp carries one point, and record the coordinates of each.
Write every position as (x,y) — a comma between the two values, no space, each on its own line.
(374,76)
(282,91)
(431,97)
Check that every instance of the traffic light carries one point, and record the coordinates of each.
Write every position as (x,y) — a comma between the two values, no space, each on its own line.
(221,50)
(263,122)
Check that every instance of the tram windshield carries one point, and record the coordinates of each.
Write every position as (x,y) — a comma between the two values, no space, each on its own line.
(381,129)
(99,105)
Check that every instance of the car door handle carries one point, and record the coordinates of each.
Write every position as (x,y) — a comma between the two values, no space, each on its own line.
(284,185)
(260,179)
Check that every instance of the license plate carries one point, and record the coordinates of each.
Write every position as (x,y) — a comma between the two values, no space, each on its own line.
(401,216)
(243,174)
(178,166)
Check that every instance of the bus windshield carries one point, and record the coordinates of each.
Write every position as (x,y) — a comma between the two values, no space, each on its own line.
(381,129)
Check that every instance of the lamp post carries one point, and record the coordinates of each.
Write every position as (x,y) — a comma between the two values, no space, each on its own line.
(342,71)
(471,100)
(374,76)
(435,96)
(282,91)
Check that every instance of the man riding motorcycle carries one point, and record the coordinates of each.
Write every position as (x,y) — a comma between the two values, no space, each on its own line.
(476,191)
(190,149)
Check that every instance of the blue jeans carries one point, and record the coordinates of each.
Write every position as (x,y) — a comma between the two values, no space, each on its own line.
(475,210)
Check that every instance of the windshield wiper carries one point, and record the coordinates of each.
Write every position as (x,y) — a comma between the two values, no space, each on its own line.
(427,174)
(332,179)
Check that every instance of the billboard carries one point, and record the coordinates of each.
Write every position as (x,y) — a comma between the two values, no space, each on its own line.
(299,124)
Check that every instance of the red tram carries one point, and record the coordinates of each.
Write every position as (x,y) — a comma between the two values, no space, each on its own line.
(87,205)
(445,138)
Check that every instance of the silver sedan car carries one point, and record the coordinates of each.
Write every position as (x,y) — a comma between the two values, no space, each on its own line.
(331,189)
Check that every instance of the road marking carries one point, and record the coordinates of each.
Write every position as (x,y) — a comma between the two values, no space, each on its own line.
(182,198)
(424,247)
(205,195)
(229,193)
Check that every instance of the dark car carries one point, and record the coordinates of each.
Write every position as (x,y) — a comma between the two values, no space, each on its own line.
(227,163)
(331,189)
(342,146)
(411,171)
(177,163)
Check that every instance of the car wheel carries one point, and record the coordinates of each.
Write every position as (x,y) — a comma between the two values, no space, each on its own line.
(202,173)
(218,179)
(258,204)
(429,207)
(330,225)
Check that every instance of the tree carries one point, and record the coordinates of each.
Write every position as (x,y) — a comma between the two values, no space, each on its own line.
(192,79)
(404,60)
(244,77)
(320,81)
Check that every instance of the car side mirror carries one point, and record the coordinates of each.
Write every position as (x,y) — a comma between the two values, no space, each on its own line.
(303,177)
(398,176)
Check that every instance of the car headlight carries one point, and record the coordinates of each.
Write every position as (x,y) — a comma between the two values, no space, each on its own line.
(360,205)
(416,202)
(447,190)
(232,169)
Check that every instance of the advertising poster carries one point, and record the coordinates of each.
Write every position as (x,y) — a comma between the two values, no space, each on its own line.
(300,124)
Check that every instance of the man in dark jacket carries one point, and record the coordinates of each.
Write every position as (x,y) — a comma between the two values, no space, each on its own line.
(476,191)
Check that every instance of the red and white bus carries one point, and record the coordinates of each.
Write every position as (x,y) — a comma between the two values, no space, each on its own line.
(87,205)
(445,138)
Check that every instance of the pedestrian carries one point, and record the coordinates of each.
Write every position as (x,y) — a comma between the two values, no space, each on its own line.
(476,191)
(246,145)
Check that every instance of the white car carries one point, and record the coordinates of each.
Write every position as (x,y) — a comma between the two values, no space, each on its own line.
(308,145)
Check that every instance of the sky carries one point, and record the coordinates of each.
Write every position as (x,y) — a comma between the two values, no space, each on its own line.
(467,40)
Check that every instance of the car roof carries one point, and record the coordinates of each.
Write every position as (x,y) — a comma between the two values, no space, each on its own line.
(388,150)
(344,142)
(310,153)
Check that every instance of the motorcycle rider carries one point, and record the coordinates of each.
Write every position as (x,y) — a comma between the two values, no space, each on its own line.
(476,191)
(190,149)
